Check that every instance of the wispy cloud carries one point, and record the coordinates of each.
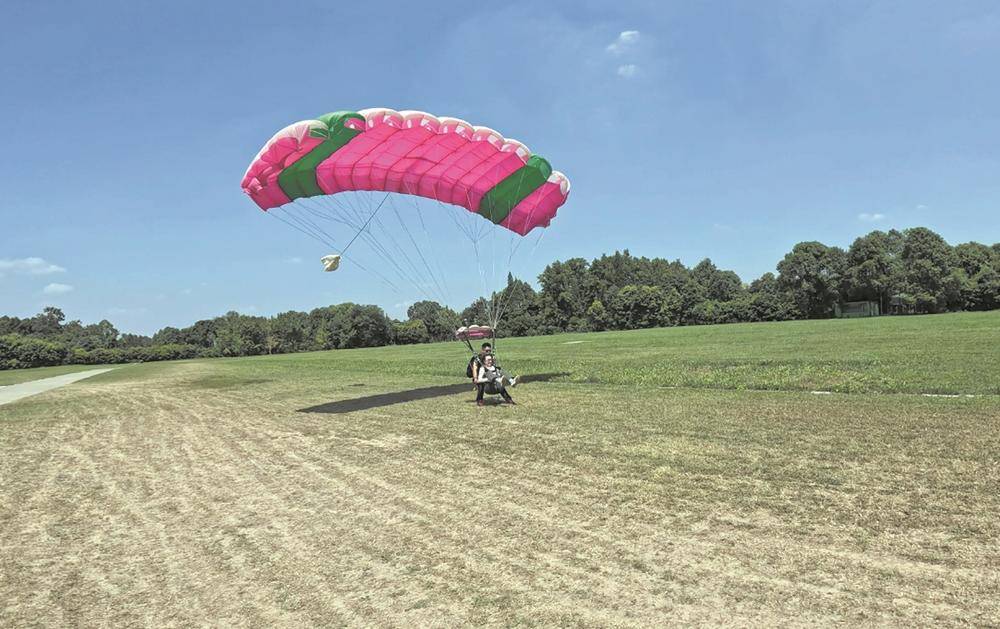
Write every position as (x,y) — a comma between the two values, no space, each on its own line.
(625,41)
(126,311)
(722,227)
(628,70)
(870,218)
(29,266)
(624,46)
(186,291)
(57,289)
(923,207)
(294,260)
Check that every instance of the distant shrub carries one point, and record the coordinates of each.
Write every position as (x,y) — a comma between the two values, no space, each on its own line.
(19,352)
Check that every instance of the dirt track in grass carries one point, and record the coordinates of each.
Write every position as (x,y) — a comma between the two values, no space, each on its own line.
(194,493)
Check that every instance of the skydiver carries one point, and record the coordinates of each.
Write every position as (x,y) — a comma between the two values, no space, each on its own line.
(491,377)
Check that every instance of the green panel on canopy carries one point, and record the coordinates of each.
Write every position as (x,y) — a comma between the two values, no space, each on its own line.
(299,179)
(504,197)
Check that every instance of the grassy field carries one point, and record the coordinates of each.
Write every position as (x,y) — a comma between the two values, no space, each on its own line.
(683,475)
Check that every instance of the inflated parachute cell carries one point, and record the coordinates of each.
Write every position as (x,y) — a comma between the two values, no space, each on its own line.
(409,152)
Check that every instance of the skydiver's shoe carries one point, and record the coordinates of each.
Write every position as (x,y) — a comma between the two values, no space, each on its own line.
(513,381)
(480,403)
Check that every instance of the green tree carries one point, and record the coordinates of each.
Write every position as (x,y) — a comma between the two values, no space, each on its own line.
(565,294)
(812,272)
(769,302)
(290,332)
(440,321)
(663,273)
(348,325)
(635,307)
(129,340)
(973,257)
(519,307)
(48,322)
(672,308)
(717,284)
(874,268)
(692,294)
(609,274)
(240,335)
(410,332)
(932,276)
(598,317)
(201,334)
(476,313)
(985,294)
(168,336)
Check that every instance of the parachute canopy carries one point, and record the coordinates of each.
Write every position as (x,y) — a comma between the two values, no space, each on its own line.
(408,152)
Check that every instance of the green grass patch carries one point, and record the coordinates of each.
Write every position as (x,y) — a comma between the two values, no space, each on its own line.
(954,354)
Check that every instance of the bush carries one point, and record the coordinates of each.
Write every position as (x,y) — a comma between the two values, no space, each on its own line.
(410,332)
(19,352)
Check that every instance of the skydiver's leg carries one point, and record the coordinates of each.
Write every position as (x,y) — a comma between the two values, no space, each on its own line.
(480,390)
(506,378)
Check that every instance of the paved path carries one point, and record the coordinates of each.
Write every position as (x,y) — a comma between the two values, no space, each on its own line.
(15,392)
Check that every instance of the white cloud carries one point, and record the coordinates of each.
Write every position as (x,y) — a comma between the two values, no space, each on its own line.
(625,41)
(870,218)
(922,207)
(185,291)
(57,289)
(628,70)
(126,311)
(722,227)
(30,266)
(294,260)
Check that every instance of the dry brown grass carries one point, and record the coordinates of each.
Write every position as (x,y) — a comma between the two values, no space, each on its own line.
(193,493)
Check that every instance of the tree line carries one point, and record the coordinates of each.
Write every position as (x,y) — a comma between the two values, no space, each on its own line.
(905,272)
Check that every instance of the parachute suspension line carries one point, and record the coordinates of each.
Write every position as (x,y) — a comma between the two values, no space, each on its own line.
(307,221)
(427,242)
(422,278)
(366,224)
(319,238)
(418,278)
(412,277)
(381,239)
(534,248)
(317,234)
(311,229)
(416,247)
(274,214)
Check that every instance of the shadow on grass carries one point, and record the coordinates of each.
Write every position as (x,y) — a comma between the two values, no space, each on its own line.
(387,399)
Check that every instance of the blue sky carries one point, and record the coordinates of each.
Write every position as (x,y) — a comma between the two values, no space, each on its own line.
(729,130)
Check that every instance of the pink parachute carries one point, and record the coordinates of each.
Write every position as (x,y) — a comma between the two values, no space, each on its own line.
(408,152)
